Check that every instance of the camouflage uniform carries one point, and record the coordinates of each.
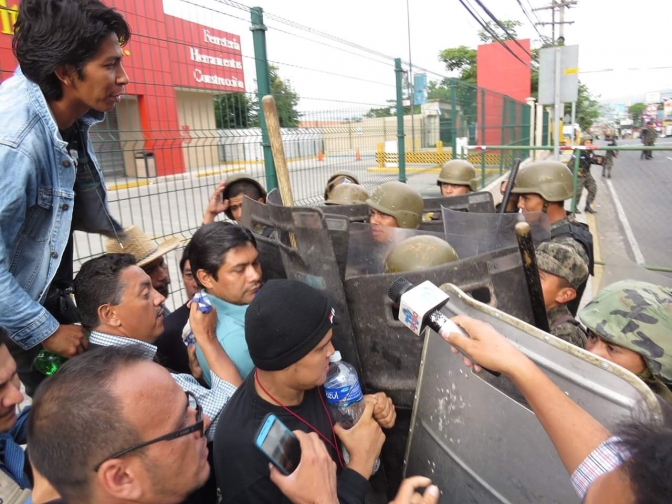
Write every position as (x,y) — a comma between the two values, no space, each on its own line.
(609,160)
(585,178)
(637,316)
(564,260)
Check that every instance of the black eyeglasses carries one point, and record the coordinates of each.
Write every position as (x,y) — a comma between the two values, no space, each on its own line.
(198,426)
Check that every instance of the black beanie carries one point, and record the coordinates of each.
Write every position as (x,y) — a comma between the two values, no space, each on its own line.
(285,322)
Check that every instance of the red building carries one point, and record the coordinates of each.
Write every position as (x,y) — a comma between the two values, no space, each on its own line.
(175,66)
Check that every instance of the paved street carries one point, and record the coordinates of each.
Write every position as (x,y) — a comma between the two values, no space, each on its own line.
(634,208)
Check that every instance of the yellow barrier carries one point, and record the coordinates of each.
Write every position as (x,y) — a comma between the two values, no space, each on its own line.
(438,157)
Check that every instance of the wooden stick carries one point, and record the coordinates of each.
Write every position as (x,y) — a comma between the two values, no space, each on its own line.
(273,125)
(284,184)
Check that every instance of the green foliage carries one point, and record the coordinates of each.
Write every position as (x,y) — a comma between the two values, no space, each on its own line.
(462,59)
(232,111)
(636,110)
(239,110)
(438,90)
(510,26)
(380,112)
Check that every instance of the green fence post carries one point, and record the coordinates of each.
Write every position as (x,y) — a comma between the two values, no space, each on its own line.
(400,122)
(263,88)
(483,142)
(453,117)
(576,178)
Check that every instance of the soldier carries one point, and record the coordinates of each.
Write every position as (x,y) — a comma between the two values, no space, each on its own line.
(543,187)
(347,194)
(629,323)
(394,205)
(228,197)
(609,158)
(457,177)
(649,136)
(561,271)
(419,253)
(340,177)
(586,159)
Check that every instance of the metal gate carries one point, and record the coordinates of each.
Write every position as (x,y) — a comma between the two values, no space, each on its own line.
(107,146)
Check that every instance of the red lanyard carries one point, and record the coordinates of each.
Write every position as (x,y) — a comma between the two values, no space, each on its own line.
(333,444)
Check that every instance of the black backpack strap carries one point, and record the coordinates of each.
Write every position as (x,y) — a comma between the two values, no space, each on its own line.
(581,233)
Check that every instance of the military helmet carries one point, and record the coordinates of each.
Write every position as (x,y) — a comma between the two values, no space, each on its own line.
(419,253)
(240,177)
(562,260)
(637,316)
(586,137)
(551,180)
(400,201)
(347,194)
(342,173)
(458,172)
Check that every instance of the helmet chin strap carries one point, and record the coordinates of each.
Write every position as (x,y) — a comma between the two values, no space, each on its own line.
(545,207)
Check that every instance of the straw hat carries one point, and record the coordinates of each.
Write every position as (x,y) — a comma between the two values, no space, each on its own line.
(141,246)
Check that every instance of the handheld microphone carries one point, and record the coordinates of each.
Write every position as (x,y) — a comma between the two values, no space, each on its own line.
(419,308)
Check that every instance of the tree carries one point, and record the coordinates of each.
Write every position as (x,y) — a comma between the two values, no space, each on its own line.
(486,37)
(232,111)
(636,110)
(286,99)
(379,112)
(460,59)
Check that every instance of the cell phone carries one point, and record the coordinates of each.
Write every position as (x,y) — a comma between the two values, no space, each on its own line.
(279,444)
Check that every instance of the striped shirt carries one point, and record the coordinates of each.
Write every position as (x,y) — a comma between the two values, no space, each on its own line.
(213,400)
(603,459)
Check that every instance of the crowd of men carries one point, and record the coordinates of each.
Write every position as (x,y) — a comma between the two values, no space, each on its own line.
(160,407)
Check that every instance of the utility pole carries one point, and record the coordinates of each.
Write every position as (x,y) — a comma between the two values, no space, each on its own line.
(557,114)
(411,84)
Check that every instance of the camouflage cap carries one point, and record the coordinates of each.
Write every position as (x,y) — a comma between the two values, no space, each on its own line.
(637,316)
(419,253)
(562,260)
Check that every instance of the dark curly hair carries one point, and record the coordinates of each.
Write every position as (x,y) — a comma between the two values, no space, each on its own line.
(50,34)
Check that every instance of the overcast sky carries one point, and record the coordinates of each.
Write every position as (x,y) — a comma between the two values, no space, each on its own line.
(611,34)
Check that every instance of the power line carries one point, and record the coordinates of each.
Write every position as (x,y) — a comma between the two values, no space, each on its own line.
(499,23)
(492,33)
(527,15)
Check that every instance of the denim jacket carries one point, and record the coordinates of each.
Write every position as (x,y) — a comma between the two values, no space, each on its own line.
(37,177)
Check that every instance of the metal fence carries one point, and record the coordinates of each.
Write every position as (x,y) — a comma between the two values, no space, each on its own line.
(191,114)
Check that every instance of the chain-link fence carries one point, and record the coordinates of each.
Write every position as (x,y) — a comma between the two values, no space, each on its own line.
(191,115)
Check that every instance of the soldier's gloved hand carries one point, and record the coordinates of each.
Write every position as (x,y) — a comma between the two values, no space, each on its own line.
(407,491)
(383,410)
(363,441)
(485,345)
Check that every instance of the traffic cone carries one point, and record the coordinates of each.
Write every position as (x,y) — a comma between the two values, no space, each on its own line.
(320,156)
(357,156)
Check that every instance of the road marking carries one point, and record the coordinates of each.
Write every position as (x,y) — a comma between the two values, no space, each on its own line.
(626,225)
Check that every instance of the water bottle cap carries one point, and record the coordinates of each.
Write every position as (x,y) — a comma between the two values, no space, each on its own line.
(335,357)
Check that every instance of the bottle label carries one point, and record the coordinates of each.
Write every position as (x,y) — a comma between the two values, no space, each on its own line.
(345,395)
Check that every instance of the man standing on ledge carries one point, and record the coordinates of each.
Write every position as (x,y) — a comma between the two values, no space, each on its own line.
(69,53)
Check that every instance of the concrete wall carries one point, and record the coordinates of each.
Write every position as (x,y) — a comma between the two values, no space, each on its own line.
(130,132)
(198,129)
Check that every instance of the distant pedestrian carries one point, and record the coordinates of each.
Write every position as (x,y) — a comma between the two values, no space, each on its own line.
(608,162)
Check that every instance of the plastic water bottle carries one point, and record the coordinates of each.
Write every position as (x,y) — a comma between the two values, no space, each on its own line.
(344,396)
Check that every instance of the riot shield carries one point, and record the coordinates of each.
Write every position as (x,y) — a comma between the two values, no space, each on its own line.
(475,437)
(617,268)
(256,216)
(389,353)
(478,202)
(354,213)
(480,233)
(368,246)
(313,262)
